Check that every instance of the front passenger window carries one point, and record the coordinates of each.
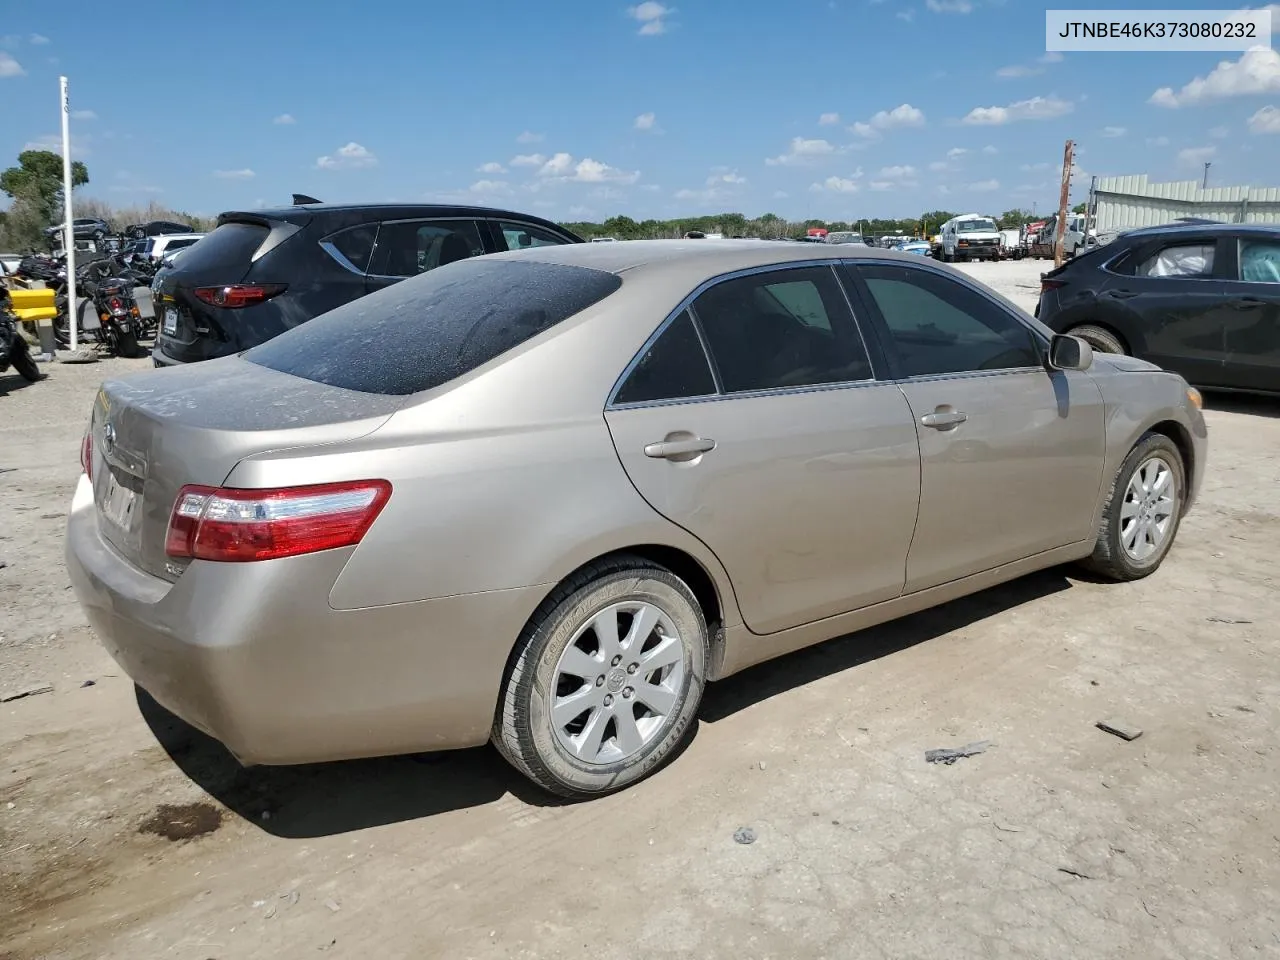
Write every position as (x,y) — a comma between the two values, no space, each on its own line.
(939,325)
(521,236)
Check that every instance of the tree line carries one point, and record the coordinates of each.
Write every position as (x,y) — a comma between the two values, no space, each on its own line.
(770,226)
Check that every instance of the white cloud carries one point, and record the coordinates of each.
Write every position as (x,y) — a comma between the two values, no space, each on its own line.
(1196,156)
(897,173)
(1017,70)
(985,186)
(651,16)
(1256,72)
(580,211)
(956,152)
(949,6)
(990,150)
(847,184)
(1053,56)
(490,187)
(350,156)
(938,166)
(882,185)
(491,167)
(907,15)
(528,160)
(1114,131)
(646,121)
(562,167)
(1266,120)
(10,67)
(135,188)
(37,40)
(780,194)
(1220,133)
(828,119)
(904,115)
(1037,108)
(557,166)
(243,174)
(53,143)
(1157,141)
(944,190)
(83,115)
(284,120)
(530,137)
(724,175)
(1035,167)
(802,151)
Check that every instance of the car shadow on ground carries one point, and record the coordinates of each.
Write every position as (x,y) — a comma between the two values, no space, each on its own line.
(325,799)
(1247,404)
(10,382)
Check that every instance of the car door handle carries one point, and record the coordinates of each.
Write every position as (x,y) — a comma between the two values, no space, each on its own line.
(1249,303)
(672,449)
(943,419)
(1122,294)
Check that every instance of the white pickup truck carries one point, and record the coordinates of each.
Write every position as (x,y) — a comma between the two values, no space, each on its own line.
(970,237)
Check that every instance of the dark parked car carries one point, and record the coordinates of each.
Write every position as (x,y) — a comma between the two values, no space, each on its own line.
(156,228)
(84,228)
(260,273)
(1200,299)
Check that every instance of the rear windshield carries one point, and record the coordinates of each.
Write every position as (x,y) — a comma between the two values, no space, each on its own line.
(227,250)
(427,330)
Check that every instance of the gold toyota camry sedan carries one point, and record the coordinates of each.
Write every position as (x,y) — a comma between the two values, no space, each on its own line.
(543,497)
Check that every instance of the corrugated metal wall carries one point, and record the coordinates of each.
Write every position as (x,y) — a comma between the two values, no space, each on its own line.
(1129,202)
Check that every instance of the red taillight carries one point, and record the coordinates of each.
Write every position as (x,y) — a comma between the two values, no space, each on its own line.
(238,294)
(116,305)
(1046,285)
(208,523)
(86,454)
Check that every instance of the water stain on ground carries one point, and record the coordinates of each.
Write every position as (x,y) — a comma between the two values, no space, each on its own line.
(182,821)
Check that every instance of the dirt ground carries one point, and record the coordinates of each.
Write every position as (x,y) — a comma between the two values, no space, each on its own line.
(124,834)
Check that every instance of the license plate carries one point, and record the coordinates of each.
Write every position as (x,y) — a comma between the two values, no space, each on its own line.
(170,320)
(117,503)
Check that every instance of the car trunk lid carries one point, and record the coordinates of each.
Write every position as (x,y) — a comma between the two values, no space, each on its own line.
(154,433)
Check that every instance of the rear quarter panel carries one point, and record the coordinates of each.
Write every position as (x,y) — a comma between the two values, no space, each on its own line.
(504,478)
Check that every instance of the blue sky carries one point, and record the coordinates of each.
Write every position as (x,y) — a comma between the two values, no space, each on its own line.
(579,109)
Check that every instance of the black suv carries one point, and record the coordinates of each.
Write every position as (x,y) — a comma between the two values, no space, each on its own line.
(259,273)
(1200,299)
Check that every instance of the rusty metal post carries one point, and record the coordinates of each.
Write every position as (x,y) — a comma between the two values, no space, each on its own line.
(1064,199)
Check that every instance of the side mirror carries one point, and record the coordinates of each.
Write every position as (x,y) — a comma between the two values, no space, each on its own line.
(1069,353)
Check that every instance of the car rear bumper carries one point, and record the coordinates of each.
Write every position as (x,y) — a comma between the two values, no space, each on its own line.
(252,653)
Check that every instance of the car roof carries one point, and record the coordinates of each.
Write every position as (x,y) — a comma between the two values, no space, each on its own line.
(1201,228)
(303,212)
(709,257)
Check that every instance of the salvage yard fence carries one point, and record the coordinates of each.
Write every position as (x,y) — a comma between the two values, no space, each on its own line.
(1126,203)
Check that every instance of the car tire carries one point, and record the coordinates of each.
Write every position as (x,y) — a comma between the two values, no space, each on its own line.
(1149,490)
(574,756)
(1100,338)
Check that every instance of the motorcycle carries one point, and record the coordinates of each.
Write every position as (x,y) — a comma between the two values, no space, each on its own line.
(109,311)
(14,351)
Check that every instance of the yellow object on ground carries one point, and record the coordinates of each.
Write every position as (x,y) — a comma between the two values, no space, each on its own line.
(34,304)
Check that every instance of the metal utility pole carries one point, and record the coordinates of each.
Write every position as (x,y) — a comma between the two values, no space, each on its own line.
(1064,200)
(70,242)
(1204,184)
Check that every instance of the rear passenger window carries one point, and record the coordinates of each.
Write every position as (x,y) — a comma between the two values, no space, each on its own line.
(410,247)
(782,328)
(354,245)
(1179,260)
(673,368)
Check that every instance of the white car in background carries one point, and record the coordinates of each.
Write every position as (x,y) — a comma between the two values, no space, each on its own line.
(157,247)
(9,263)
